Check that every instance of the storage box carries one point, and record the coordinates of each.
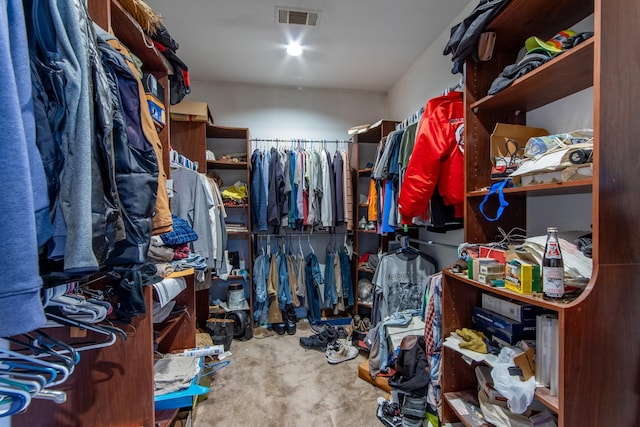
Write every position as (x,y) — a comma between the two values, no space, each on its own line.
(158,113)
(514,310)
(510,326)
(153,87)
(191,111)
(497,335)
(506,156)
(522,276)
(474,266)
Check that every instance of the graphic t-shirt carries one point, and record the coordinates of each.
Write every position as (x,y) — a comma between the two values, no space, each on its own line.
(401,279)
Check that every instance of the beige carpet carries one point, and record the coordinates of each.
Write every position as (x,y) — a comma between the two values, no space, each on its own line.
(275,382)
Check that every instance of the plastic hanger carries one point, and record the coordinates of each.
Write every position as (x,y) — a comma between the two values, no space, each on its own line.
(14,400)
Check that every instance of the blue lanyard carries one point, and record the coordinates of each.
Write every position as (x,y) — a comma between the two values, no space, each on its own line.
(496,188)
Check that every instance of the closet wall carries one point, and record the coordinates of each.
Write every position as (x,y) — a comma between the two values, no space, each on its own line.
(289,113)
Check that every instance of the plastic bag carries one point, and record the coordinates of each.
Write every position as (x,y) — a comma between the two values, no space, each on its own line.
(519,393)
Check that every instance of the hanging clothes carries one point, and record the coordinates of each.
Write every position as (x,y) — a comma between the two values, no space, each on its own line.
(438,158)
(313,280)
(258,193)
(274,314)
(348,190)
(400,281)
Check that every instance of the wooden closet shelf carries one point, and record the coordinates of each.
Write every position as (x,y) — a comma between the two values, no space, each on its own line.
(221,164)
(165,328)
(533,299)
(554,188)
(165,417)
(564,75)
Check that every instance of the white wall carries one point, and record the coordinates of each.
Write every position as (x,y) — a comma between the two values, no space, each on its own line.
(290,113)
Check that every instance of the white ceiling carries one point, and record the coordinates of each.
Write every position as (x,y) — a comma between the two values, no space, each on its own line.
(358,44)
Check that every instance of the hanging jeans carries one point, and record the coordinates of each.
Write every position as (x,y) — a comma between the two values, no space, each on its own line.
(284,292)
(258,193)
(260,274)
(330,294)
(347,283)
(313,279)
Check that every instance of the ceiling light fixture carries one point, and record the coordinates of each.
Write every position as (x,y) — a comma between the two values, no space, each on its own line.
(294,49)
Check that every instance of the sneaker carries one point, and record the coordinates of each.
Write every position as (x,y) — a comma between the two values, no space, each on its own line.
(345,352)
(314,342)
(362,224)
(389,413)
(279,328)
(261,332)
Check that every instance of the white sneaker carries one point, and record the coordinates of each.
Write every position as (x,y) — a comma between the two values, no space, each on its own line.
(343,353)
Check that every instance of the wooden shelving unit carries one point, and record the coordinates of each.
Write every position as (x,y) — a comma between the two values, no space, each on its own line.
(598,373)
(363,152)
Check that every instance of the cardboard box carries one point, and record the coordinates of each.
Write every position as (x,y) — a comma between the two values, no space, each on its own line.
(506,157)
(510,309)
(497,335)
(474,266)
(522,276)
(191,111)
(156,108)
(510,326)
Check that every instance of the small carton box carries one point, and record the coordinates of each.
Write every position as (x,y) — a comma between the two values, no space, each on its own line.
(474,266)
(522,276)
(507,147)
(191,111)
(515,310)
(156,108)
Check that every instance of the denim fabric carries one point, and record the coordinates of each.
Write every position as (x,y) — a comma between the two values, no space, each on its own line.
(258,192)
(61,31)
(284,292)
(330,293)
(313,279)
(276,189)
(291,213)
(401,318)
(347,282)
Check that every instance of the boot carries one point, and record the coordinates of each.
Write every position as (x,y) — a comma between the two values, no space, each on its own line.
(290,319)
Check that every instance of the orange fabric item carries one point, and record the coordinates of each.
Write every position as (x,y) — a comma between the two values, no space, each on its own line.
(437,158)
(372,213)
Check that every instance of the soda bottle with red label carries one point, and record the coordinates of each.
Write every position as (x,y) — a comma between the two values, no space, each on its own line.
(552,266)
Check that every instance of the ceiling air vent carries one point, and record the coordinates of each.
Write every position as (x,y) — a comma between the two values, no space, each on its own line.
(285,15)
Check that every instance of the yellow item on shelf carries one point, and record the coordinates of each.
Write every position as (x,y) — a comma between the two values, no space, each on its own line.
(473,340)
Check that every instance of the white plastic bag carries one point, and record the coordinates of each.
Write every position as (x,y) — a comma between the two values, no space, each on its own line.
(519,393)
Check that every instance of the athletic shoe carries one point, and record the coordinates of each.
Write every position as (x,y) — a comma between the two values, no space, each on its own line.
(344,353)
(314,342)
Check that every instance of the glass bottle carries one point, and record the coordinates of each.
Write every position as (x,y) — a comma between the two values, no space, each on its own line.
(552,266)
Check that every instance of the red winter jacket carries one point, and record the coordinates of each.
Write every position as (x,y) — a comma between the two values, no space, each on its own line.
(437,158)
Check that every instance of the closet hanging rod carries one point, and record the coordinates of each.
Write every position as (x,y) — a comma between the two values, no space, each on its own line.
(317,233)
(291,141)
(423,242)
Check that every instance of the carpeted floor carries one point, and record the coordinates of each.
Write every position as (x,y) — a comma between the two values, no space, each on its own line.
(275,382)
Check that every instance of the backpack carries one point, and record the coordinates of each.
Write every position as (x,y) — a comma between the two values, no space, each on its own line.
(411,376)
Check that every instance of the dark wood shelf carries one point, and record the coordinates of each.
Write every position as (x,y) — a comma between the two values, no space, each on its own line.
(230,277)
(165,328)
(238,233)
(517,19)
(222,164)
(165,417)
(555,188)
(227,132)
(543,395)
(132,35)
(452,400)
(365,171)
(533,299)
(242,206)
(564,75)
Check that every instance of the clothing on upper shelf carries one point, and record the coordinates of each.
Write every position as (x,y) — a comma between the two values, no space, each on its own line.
(301,188)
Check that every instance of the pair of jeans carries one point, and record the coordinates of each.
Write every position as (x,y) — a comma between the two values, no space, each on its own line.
(347,282)
(313,279)
(401,318)
(261,301)
(330,293)
(258,193)
(284,292)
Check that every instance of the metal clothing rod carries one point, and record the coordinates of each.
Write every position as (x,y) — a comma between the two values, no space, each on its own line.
(402,239)
(290,141)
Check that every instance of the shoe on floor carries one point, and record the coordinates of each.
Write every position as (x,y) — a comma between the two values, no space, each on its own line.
(261,332)
(314,342)
(342,354)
